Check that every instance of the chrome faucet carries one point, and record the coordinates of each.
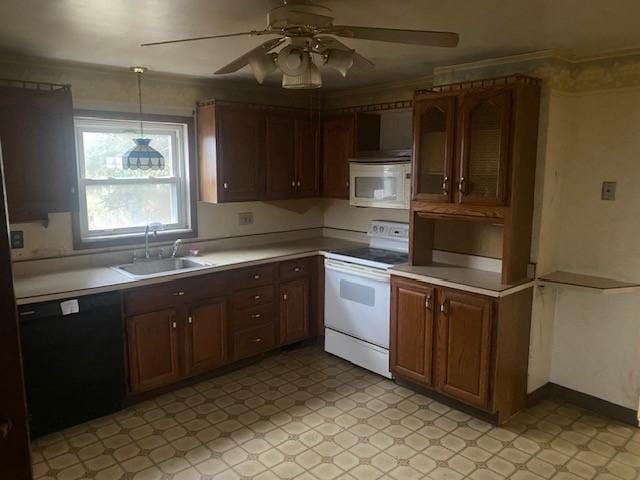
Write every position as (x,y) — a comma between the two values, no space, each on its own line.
(150,228)
(174,249)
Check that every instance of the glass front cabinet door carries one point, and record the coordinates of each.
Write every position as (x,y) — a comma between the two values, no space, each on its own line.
(484,150)
(434,127)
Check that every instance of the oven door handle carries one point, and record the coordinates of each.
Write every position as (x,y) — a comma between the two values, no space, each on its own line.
(358,270)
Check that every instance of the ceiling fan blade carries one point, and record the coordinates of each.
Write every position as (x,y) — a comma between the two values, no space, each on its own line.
(243,61)
(413,37)
(359,62)
(193,39)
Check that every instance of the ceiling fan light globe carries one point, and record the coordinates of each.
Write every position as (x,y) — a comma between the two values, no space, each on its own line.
(340,60)
(309,79)
(292,60)
(262,65)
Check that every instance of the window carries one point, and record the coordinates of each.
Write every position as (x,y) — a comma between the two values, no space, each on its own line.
(117,203)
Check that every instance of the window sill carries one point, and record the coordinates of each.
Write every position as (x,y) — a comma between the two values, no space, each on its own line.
(136,239)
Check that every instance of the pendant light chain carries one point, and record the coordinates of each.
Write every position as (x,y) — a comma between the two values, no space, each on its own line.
(139,75)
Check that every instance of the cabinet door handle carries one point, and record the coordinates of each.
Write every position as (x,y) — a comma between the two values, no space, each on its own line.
(256,315)
(225,185)
(445,185)
(189,320)
(257,276)
(443,308)
(296,269)
(284,297)
(293,183)
(178,294)
(427,302)
(298,184)
(5,427)
(347,183)
(461,185)
(257,297)
(174,325)
(255,340)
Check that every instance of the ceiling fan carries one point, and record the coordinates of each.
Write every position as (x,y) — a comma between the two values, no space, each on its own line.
(308,31)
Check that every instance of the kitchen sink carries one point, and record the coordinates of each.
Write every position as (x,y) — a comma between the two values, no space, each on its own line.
(149,268)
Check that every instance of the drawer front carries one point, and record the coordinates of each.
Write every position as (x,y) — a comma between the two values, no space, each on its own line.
(294,269)
(156,297)
(253,341)
(254,277)
(253,297)
(251,317)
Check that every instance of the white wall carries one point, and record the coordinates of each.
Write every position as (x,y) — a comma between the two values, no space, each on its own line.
(596,338)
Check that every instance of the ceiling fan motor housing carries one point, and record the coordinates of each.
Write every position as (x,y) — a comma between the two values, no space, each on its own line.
(299,18)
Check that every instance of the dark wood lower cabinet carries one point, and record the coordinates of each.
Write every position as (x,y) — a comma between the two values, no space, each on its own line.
(464,346)
(294,311)
(412,331)
(470,347)
(190,327)
(153,349)
(206,336)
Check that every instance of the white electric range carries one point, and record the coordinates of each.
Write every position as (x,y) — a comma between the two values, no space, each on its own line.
(357,296)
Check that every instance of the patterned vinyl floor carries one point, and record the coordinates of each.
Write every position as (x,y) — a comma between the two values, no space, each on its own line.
(307,415)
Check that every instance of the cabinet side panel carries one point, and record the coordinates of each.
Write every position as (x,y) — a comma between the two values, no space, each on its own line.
(512,353)
(518,224)
(207,154)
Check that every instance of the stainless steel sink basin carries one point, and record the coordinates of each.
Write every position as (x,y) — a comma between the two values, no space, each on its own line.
(149,268)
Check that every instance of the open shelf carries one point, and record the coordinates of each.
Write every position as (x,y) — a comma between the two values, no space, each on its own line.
(604,285)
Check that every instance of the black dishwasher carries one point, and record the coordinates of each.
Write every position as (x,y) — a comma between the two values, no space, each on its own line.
(73,363)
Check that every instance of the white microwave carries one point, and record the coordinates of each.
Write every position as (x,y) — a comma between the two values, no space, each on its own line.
(382,184)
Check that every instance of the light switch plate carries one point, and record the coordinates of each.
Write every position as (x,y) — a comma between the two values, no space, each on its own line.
(245,218)
(608,191)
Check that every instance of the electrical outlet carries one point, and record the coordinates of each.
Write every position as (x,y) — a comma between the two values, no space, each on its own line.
(245,218)
(17,239)
(608,191)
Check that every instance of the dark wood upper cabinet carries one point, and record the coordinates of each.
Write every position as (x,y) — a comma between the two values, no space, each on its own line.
(307,153)
(153,349)
(464,332)
(206,335)
(36,133)
(412,330)
(231,147)
(338,145)
(294,311)
(485,129)
(280,156)
(433,137)
(249,153)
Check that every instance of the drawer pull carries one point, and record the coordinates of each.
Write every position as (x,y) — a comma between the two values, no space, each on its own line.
(256,276)
(296,269)
(255,340)
(178,294)
(256,315)
(257,297)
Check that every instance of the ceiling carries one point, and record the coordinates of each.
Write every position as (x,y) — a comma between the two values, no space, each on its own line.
(109,32)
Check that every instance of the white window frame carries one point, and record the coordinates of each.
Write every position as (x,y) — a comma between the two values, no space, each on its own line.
(181,179)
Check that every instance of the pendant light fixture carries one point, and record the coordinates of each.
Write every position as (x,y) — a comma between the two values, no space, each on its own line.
(142,156)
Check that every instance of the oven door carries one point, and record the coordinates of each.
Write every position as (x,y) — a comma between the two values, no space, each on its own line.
(382,185)
(356,301)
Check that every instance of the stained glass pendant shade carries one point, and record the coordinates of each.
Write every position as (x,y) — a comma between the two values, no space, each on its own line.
(142,156)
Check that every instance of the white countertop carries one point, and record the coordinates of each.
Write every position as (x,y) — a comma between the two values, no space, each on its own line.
(58,285)
(471,280)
